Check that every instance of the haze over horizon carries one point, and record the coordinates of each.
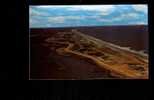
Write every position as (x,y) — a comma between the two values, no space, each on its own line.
(87,15)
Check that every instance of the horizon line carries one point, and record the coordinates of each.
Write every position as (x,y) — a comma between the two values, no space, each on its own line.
(90,26)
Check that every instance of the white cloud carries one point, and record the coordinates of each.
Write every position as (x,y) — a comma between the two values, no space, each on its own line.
(141,8)
(33,12)
(48,6)
(91,8)
(120,17)
(99,11)
(126,16)
(58,19)
(62,19)
(104,20)
(102,9)
(33,21)
(74,17)
(141,23)
(44,6)
(78,7)
(105,13)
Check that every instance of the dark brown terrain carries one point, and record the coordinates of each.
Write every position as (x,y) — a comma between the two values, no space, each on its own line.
(47,64)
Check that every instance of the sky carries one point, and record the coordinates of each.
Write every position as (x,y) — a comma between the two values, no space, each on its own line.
(87,15)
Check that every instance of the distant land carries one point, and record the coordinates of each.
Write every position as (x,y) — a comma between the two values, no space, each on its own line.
(133,36)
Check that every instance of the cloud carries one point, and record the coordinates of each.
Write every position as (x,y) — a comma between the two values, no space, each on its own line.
(138,22)
(101,9)
(103,20)
(58,19)
(104,9)
(131,16)
(34,12)
(33,22)
(105,13)
(43,6)
(91,8)
(80,15)
(62,19)
(74,17)
(141,23)
(141,8)
(48,6)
